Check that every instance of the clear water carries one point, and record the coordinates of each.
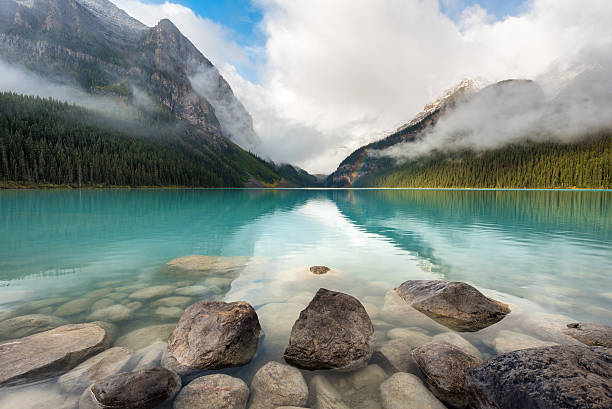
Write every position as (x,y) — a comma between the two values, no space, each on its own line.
(544,252)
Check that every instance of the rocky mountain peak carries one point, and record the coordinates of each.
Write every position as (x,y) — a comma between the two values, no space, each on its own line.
(113,16)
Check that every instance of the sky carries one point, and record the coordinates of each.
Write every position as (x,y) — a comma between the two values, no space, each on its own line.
(322,78)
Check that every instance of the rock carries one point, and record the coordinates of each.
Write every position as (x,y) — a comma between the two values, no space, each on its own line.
(116,296)
(202,265)
(215,335)
(134,305)
(562,376)
(398,313)
(591,334)
(406,391)
(508,341)
(168,313)
(25,325)
(144,337)
(97,367)
(277,384)
(174,301)
(141,389)
(319,270)
(148,357)
(213,392)
(333,332)
(444,366)
(192,290)
(114,313)
(98,293)
(38,304)
(397,356)
(457,340)
(413,337)
(50,353)
(219,282)
(324,395)
(102,303)
(366,377)
(74,307)
(155,291)
(456,305)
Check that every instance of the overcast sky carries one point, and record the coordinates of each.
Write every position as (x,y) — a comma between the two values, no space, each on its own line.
(322,77)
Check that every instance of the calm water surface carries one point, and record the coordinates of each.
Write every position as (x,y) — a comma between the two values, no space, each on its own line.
(544,252)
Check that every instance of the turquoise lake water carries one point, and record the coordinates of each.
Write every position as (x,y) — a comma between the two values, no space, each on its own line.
(548,252)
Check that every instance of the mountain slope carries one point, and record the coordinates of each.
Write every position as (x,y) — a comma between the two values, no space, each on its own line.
(151,74)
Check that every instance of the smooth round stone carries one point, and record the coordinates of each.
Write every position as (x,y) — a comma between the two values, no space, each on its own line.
(413,337)
(74,307)
(29,324)
(406,391)
(143,337)
(153,292)
(97,367)
(50,353)
(134,305)
(102,303)
(168,313)
(508,341)
(98,293)
(199,263)
(192,290)
(366,377)
(147,357)
(213,392)
(276,384)
(38,304)
(397,355)
(114,313)
(324,395)
(174,301)
(141,389)
(457,340)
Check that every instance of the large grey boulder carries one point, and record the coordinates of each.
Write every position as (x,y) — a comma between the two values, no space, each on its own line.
(333,332)
(97,367)
(215,335)
(213,392)
(50,353)
(276,384)
(406,391)
(141,389)
(444,366)
(456,305)
(25,325)
(591,334)
(562,376)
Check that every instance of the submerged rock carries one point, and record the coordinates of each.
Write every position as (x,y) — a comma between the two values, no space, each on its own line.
(114,313)
(174,301)
(50,353)
(102,303)
(444,366)
(563,376)
(168,313)
(75,307)
(591,334)
(141,389)
(143,337)
(456,305)
(155,291)
(319,270)
(215,335)
(324,396)
(213,392)
(396,355)
(457,340)
(25,325)
(406,391)
(333,332)
(147,357)
(508,341)
(192,290)
(203,265)
(97,367)
(276,384)
(414,337)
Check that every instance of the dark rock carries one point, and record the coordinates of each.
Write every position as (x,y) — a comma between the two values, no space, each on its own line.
(562,376)
(213,392)
(456,305)
(333,332)
(142,389)
(50,353)
(591,334)
(215,335)
(319,270)
(444,366)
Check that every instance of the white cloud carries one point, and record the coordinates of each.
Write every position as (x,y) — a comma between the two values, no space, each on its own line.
(337,74)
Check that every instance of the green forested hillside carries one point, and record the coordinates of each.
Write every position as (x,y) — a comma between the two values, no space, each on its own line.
(583,164)
(43,141)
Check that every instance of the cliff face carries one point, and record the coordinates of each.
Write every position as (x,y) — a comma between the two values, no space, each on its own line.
(106,51)
(365,161)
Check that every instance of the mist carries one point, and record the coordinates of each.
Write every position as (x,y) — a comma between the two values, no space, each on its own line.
(565,104)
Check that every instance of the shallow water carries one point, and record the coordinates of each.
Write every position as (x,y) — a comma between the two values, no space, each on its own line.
(544,252)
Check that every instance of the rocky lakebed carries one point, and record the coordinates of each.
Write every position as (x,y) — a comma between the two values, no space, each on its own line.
(190,340)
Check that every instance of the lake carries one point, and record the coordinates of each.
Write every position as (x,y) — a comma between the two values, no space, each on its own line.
(546,253)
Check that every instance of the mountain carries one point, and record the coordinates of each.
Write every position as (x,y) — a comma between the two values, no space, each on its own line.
(156,79)
(438,147)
